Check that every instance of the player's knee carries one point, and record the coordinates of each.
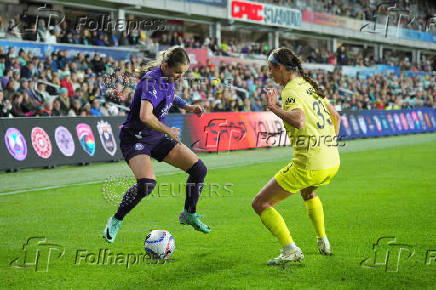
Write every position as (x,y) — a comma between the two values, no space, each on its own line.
(145,186)
(306,195)
(259,205)
(198,171)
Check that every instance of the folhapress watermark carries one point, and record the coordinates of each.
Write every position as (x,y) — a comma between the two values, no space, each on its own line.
(38,254)
(390,255)
(105,257)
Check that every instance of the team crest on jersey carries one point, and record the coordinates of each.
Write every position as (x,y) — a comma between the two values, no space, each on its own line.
(289,101)
(107,137)
(154,93)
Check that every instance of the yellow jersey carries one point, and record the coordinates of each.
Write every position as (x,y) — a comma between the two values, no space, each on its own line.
(315,145)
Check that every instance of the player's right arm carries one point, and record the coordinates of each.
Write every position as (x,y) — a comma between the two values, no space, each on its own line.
(334,115)
(293,114)
(147,117)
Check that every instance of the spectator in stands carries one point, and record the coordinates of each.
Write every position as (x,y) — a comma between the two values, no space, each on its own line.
(5,106)
(87,38)
(66,83)
(49,36)
(64,102)
(97,65)
(46,110)
(17,108)
(56,111)
(95,107)
(27,70)
(40,93)
(2,65)
(13,30)
(10,90)
(28,105)
(75,108)
(86,110)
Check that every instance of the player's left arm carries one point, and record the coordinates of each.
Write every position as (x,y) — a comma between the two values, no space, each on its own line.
(182,104)
(294,117)
(334,115)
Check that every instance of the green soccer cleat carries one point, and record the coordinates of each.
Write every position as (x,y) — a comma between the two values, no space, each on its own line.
(111,230)
(192,219)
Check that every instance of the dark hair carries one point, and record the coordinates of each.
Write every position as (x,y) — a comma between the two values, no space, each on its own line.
(172,56)
(291,62)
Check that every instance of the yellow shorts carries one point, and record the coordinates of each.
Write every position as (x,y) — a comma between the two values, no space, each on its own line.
(293,179)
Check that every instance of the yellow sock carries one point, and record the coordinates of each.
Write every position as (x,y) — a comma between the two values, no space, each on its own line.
(316,214)
(276,225)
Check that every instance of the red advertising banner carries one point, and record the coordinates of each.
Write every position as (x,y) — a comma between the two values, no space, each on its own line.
(235,131)
(247,11)
(330,20)
(197,56)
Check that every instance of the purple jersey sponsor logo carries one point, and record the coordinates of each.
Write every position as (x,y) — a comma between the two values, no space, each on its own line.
(64,141)
(139,147)
(16,144)
(107,137)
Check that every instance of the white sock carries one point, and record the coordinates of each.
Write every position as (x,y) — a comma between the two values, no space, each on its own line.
(290,247)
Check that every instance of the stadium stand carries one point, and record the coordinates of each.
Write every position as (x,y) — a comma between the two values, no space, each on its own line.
(81,84)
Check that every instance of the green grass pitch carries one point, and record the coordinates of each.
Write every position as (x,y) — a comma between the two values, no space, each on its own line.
(385,188)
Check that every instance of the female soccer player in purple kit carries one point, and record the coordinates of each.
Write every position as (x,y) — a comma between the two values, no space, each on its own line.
(143,136)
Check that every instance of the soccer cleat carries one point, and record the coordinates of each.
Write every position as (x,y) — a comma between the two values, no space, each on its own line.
(192,219)
(111,230)
(324,246)
(287,256)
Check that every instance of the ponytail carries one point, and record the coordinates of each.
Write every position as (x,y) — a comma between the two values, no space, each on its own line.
(154,63)
(319,91)
(291,62)
(172,56)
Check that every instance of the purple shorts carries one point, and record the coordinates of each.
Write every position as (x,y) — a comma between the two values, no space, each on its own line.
(132,144)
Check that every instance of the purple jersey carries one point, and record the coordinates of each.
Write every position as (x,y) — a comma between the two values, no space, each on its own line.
(156,89)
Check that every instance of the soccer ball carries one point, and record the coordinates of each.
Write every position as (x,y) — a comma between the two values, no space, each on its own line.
(159,244)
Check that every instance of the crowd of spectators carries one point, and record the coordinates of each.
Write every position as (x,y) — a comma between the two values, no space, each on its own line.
(101,86)
(344,55)
(418,10)
(65,32)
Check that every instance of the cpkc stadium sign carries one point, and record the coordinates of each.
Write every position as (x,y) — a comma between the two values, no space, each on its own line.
(264,14)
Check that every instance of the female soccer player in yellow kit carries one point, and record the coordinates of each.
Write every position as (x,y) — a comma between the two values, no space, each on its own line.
(312,124)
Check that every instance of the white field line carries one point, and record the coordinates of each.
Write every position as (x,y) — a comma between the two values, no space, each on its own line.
(102,180)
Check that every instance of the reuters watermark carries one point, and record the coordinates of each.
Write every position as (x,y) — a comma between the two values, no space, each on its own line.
(114,188)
